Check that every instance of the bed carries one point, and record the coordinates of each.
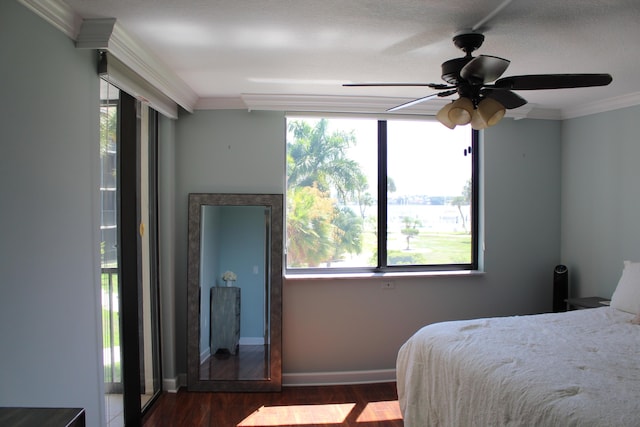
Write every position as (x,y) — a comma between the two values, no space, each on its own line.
(578,368)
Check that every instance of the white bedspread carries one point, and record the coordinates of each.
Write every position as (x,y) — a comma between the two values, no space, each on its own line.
(580,368)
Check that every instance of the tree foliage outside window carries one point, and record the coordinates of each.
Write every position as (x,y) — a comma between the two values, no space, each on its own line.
(333,201)
(321,181)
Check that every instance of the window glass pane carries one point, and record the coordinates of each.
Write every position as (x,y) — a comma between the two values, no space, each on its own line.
(331,192)
(110,278)
(428,193)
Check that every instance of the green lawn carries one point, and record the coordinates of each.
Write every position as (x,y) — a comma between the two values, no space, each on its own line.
(110,327)
(427,247)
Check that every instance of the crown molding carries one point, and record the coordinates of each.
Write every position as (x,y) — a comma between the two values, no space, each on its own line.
(120,44)
(379,105)
(230,103)
(134,55)
(603,105)
(337,104)
(356,104)
(95,33)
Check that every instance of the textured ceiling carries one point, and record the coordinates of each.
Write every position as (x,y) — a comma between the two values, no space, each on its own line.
(226,48)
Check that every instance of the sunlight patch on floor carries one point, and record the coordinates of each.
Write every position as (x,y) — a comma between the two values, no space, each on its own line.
(299,415)
(380,411)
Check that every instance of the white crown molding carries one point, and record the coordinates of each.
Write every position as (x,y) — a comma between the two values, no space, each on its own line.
(231,103)
(365,104)
(332,103)
(533,111)
(122,46)
(609,104)
(95,33)
(337,104)
(379,105)
(134,55)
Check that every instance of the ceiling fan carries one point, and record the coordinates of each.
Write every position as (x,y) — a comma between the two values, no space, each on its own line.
(481,102)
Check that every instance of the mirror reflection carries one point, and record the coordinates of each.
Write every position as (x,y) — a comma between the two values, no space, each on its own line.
(234,283)
(234,292)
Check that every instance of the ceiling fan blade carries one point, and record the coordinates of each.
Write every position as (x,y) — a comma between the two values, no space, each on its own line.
(552,81)
(505,97)
(484,69)
(423,99)
(437,86)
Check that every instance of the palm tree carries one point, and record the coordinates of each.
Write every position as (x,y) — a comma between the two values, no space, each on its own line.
(410,229)
(309,217)
(319,159)
(314,157)
(463,199)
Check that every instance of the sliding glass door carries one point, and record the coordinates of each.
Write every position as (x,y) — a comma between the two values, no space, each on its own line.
(128,140)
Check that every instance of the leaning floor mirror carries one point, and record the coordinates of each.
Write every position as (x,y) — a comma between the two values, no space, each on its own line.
(234,292)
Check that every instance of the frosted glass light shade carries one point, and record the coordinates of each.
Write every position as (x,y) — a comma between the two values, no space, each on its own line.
(443,116)
(461,111)
(477,122)
(491,111)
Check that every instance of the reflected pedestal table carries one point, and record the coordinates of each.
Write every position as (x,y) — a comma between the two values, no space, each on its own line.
(225,319)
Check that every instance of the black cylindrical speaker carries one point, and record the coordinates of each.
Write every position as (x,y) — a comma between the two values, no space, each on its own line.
(560,288)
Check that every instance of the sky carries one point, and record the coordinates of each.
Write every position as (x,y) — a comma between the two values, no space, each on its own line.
(417,163)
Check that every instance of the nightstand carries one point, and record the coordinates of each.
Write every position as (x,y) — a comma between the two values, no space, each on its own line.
(587,302)
(225,319)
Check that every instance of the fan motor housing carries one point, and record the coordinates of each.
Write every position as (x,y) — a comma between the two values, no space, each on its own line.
(468,41)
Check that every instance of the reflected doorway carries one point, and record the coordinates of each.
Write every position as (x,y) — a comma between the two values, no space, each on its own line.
(234,321)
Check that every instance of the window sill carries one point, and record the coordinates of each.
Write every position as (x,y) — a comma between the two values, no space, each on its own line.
(388,275)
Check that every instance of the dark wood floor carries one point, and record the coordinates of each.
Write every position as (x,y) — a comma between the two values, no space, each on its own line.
(251,362)
(365,405)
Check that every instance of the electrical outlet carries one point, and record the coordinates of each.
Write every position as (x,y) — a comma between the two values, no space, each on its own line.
(388,285)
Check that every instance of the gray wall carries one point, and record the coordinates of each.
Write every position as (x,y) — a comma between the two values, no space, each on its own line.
(338,325)
(600,199)
(49,219)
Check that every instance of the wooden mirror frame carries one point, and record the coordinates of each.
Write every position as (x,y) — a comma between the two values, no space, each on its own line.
(275,203)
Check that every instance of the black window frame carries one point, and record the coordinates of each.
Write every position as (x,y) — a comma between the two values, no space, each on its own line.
(382,266)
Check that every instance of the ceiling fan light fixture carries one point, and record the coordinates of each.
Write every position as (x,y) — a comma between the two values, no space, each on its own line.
(443,116)
(461,111)
(491,111)
(477,122)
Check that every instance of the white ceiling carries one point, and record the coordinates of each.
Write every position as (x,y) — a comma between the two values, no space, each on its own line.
(225,49)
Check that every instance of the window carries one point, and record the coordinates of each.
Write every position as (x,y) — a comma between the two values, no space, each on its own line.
(129,285)
(380,195)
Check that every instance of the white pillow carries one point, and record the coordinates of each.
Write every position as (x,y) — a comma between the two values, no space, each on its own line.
(626,297)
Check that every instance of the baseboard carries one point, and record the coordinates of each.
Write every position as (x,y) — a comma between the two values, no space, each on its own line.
(172,385)
(251,341)
(338,378)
